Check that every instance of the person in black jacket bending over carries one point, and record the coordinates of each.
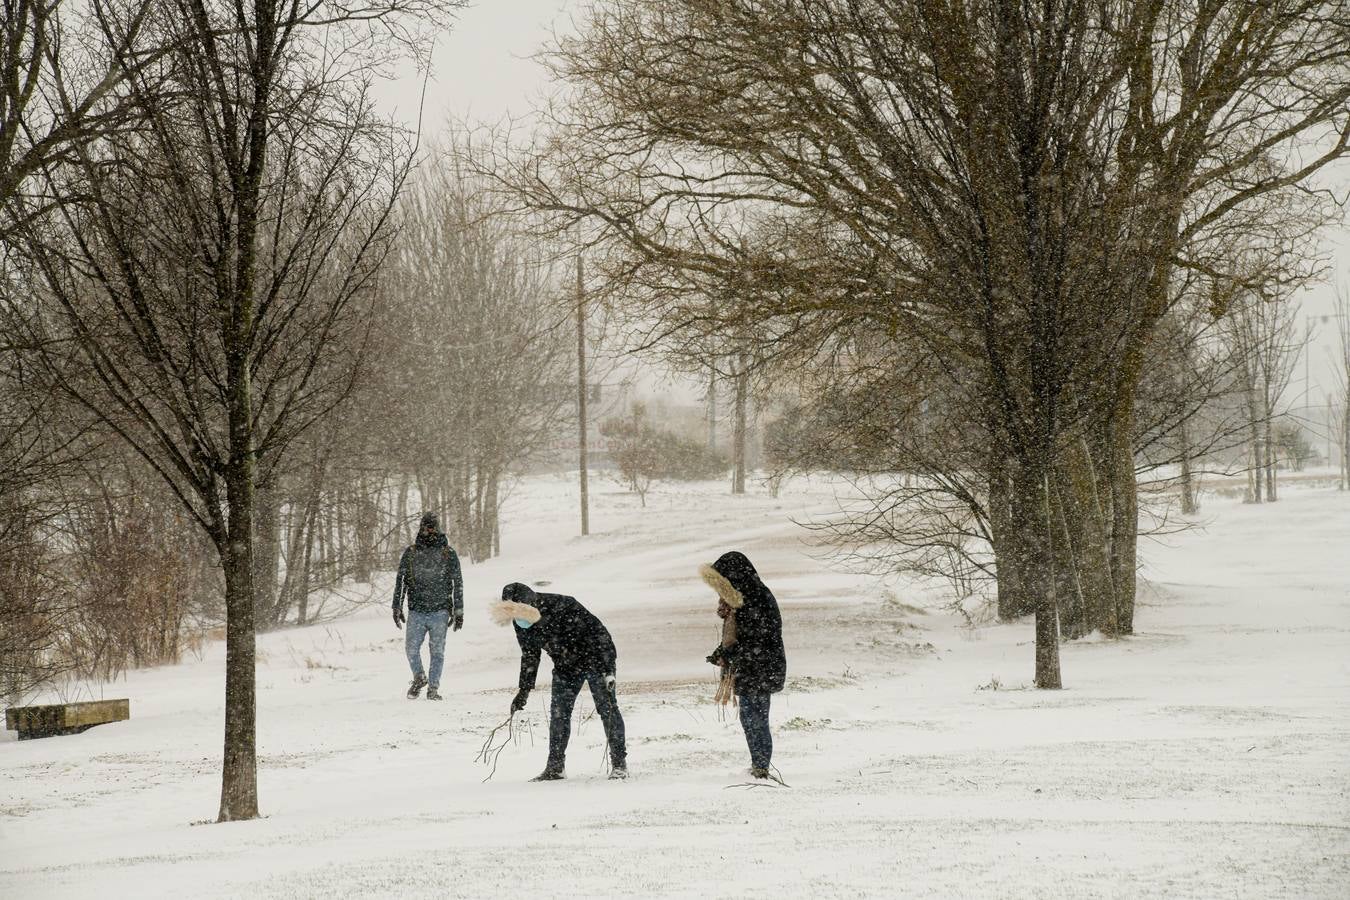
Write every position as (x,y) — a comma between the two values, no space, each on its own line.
(582,652)
(751,655)
(429,575)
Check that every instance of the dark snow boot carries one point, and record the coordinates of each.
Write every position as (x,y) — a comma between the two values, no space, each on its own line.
(433,694)
(759,772)
(619,772)
(415,689)
(549,775)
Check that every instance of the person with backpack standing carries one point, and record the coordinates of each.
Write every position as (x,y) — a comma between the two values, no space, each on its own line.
(429,576)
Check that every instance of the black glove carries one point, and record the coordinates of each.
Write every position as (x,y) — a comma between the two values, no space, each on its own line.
(718,656)
(522,696)
(459,621)
(398,617)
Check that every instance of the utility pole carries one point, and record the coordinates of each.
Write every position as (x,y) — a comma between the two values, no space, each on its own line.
(581,400)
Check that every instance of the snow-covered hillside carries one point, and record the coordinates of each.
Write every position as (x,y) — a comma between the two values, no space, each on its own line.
(1207,756)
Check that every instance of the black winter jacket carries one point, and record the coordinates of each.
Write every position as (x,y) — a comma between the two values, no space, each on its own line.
(757,658)
(576,641)
(430,577)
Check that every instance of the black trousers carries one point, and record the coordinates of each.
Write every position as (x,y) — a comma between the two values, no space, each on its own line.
(755,721)
(566,686)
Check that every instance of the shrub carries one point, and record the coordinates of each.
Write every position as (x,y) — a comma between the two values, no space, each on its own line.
(645,453)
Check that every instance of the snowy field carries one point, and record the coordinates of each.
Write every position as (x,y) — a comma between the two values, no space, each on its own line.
(1208,756)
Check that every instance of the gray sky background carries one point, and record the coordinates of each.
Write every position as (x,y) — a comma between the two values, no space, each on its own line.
(483,72)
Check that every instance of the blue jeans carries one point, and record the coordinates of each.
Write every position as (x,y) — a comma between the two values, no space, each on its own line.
(566,686)
(755,721)
(420,625)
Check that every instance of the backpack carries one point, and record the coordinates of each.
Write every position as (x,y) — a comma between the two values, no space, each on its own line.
(426,568)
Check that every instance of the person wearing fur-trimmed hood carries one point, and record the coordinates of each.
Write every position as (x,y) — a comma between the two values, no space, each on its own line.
(582,652)
(751,654)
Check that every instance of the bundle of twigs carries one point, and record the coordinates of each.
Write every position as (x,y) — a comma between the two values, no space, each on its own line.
(491,751)
(775,779)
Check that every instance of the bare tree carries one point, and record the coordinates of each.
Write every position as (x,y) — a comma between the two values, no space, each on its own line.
(635,448)
(473,344)
(1261,332)
(34,455)
(64,67)
(186,257)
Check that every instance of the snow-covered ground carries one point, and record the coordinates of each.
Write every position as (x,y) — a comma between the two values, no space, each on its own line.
(1207,756)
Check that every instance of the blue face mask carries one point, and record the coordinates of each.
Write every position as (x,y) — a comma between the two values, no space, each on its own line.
(522,623)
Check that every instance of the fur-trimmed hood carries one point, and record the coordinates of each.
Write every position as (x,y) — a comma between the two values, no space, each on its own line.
(734,579)
(519,601)
(508,611)
(725,589)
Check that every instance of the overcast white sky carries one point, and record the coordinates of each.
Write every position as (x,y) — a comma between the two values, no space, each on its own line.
(484,72)
(483,68)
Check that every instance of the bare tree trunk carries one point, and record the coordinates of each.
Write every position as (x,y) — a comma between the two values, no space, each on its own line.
(239,775)
(435,499)
(1271,454)
(367,521)
(1254,479)
(712,409)
(1031,509)
(306,569)
(1087,533)
(403,486)
(327,552)
(1254,432)
(1069,600)
(1013,601)
(738,434)
(339,545)
(1256,466)
(239,770)
(479,531)
(1189,506)
(492,524)
(267,551)
(460,494)
(1124,540)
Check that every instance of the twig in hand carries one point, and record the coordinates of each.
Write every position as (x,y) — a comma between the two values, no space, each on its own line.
(489,754)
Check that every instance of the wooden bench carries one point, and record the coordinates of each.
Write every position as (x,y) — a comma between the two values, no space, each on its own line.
(64,718)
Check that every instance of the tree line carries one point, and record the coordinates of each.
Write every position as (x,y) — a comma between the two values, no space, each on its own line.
(998,233)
